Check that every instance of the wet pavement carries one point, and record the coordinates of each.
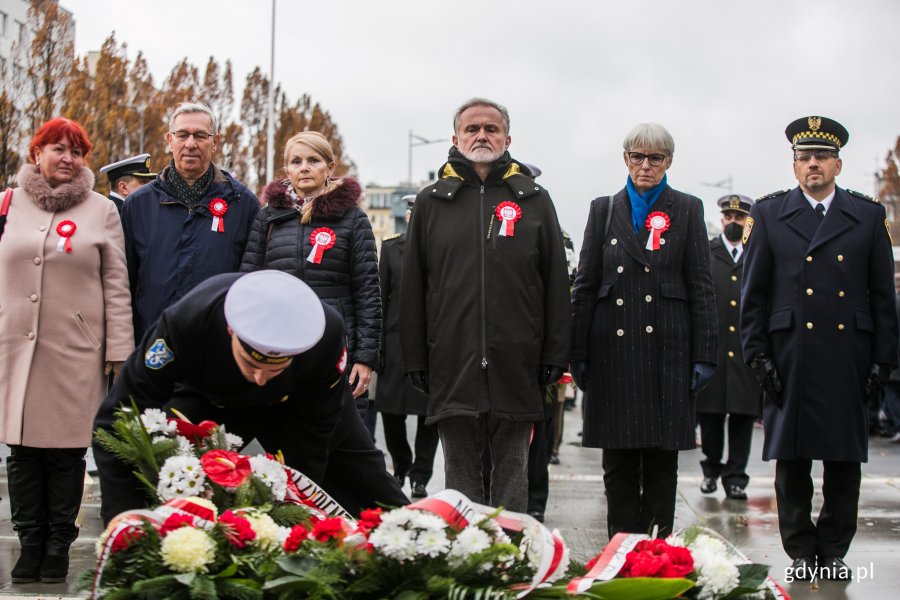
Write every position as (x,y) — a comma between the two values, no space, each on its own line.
(577,508)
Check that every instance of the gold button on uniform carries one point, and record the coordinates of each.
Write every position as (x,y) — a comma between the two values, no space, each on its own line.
(730,354)
(840,326)
(841,294)
(840,258)
(809,259)
(809,325)
(731,328)
(284,398)
(809,292)
(733,303)
(734,277)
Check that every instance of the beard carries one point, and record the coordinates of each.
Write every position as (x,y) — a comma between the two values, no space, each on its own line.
(482,154)
(733,232)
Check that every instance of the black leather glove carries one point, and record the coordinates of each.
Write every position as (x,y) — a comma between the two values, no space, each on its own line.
(419,380)
(579,370)
(701,374)
(767,375)
(550,374)
(875,381)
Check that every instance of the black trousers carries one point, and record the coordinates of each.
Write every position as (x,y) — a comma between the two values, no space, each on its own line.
(539,458)
(45,489)
(740,434)
(640,490)
(421,468)
(834,530)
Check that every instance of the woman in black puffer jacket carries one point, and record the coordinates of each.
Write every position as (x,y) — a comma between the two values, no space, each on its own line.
(313,228)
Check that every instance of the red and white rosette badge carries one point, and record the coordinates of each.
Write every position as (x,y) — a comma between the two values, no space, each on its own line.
(658,223)
(66,229)
(322,239)
(218,207)
(508,213)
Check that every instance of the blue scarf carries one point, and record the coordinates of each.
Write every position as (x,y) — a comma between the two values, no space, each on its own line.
(641,203)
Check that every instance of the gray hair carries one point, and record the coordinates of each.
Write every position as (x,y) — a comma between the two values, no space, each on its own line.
(649,135)
(480,102)
(194,107)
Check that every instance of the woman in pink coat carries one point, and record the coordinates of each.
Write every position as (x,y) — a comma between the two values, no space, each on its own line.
(65,324)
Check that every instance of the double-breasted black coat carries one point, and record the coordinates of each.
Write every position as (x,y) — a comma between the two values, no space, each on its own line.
(641,318)
(733,388)
(394,395)
(818,298)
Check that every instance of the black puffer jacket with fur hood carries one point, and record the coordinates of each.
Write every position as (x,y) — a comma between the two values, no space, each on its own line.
(347,276)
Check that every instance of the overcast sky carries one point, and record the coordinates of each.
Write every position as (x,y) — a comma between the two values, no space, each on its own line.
(724,77)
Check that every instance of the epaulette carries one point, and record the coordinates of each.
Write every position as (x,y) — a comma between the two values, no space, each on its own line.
(388,238)
(863,196)
(772,195)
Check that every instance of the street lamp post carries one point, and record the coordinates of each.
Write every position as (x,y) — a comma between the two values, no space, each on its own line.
(724,184)
(270,110)
(416,140)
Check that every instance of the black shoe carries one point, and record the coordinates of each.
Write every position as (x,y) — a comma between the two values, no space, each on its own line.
(418,490)
(554,459)
(401,478)
(709,485)
(834,568)
(54,568)
(735,492)
(536,514)
(803,568)
(28,566)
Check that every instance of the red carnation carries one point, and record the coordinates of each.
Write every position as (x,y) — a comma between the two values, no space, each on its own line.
(125,538)
(330,528)
(176,521)
(237,529)
(295,538)
(369,519)
(656,558)
(590,564)
(228,469)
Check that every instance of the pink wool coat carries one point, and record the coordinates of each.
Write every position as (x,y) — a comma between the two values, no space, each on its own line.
(62,315)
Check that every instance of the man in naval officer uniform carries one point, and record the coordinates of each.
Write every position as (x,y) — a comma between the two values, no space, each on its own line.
(733,391)
(127,175)
(260,354)
(819,328)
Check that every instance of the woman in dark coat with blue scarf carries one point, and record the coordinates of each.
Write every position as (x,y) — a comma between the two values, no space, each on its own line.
(644,333)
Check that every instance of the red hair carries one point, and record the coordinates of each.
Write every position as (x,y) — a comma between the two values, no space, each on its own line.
(56,130)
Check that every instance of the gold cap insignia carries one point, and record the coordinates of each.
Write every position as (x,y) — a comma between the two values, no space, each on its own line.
(814,123)
(734,203)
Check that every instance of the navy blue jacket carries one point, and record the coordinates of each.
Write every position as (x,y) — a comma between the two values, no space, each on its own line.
(171,249)
(819,298)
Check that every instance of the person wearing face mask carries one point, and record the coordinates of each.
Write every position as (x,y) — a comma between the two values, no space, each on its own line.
(733,391)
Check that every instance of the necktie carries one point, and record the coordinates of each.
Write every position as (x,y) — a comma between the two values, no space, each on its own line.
(820,212)
(734,253)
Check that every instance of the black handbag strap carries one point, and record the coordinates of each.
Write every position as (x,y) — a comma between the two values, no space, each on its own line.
(4,208)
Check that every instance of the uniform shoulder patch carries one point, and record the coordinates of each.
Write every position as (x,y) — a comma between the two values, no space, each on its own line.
(861,195)
(388,238)
(158,355)
(772,195)
(748,227)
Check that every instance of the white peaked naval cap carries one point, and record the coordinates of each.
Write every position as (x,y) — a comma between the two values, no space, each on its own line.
(274,315)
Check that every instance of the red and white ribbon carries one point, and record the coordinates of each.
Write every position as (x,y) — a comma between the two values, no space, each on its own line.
(508,213)
(66,229)
(322,239)
(658,223)
(609,563)
(218,207)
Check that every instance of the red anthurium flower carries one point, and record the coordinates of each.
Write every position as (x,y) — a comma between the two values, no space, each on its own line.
(228,469)
(237,529)
(297,536)
(195,433)
(176,521)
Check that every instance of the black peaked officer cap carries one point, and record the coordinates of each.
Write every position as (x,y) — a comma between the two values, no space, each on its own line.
(136,166)
(735,202)
(816,133)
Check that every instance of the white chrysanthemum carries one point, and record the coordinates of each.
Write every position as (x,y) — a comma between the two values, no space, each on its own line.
(495,531)
(394,542)
(530,546)
(706,543)
(675,540)
(185,446)
(187,550)
(716,575)
(426,521)
(432,542)
(271,473)
(235,442)
(155,421)
(399,517)
(180,476)
(283,533)
(469,541)
(267,532)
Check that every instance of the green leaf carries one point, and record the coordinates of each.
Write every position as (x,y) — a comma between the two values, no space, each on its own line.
(626,588)
(203,588)
(186,578)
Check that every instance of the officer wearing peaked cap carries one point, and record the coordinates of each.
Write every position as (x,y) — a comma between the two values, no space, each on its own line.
(819,328)
(127,175)
(260,354)
(733,391)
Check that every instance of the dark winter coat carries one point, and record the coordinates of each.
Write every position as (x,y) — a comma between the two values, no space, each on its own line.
(394,394)
(641,318)
(819,298)
(347,277)
(482,312)
(171,249)
(733,389)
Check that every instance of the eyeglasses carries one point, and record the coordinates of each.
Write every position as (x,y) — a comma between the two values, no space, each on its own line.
(819,155)
(200,136)
(636,158)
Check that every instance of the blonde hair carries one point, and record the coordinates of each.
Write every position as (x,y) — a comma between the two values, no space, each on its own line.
(321,146)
